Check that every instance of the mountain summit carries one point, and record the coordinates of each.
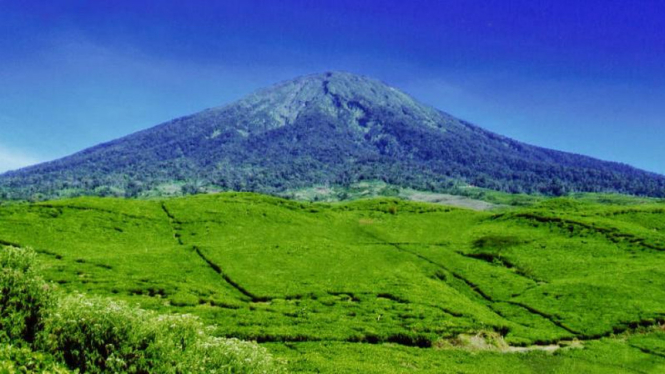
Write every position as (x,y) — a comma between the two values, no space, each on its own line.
(334,128)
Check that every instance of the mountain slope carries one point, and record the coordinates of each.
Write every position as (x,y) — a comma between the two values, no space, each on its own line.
(334,128)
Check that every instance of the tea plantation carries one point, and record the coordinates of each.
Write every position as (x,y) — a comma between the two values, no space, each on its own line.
(566,285)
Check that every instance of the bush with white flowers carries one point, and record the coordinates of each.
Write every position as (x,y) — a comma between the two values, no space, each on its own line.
(99,335)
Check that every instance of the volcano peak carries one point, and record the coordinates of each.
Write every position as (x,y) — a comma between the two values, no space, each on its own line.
(327,128)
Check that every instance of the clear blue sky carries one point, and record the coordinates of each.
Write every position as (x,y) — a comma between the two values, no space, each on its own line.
(581,76)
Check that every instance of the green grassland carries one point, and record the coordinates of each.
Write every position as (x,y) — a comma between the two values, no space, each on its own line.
(380,285)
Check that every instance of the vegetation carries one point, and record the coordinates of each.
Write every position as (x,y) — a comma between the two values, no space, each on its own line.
(24,298)
(41,333)
(382,285)
(18,359)
(335,129)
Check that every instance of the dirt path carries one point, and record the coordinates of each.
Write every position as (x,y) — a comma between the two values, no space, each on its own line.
(446,199)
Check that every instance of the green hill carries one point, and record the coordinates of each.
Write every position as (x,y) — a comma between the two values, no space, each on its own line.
(381,285)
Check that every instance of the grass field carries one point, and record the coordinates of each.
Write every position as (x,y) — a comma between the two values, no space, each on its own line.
(382,285)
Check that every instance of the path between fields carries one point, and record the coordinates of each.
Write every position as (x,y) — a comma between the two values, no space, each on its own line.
(476,342)
(176,226)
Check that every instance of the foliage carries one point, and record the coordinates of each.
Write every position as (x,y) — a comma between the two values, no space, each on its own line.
(24,296)
(97,335)
(15,360)
(607,356)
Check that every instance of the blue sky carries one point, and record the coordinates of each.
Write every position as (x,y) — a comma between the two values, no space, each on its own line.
(581,76)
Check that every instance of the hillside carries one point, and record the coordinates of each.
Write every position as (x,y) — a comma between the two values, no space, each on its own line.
(378,285)
(326,129)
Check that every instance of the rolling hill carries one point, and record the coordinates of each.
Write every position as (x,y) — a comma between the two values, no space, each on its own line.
(332,128)
(380,285)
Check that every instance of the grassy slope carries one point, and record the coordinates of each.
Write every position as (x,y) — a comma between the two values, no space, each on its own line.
(319,282)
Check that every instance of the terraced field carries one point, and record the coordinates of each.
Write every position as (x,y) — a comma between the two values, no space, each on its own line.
(381,285)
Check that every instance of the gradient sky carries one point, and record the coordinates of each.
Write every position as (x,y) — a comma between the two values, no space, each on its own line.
(580,76)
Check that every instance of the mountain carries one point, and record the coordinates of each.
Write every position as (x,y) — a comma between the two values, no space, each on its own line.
(331,128)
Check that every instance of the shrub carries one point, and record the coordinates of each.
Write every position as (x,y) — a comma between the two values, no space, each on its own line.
(24,296)
(97,335)
(23,360)
(497,241)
